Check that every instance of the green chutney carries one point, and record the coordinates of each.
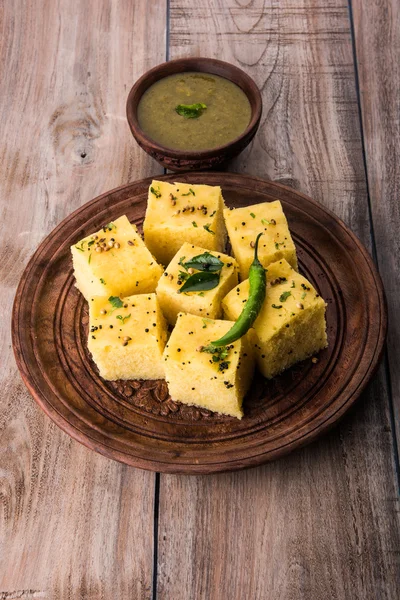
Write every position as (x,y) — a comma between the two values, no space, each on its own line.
(226,116)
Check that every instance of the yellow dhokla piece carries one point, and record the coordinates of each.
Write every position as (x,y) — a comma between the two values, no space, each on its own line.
(243,225)
(205,303)
(123,267)
(291,325)
(196,378)
(183,212)
(127,336)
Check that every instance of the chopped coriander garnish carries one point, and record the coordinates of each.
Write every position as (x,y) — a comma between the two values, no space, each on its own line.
(205,322)
(90,243)
(303,295)
(115,302)
(155,192)
(293,284)
(221,352)
(265,222)
(253,215)
(219,355)
(102,281)
(110,226)
(182,276)
(284,296)
(89,259)
(81,248)
(190,111)
(277,244)
(189,192)
(194,223)
(207,228)
(276,306)
(123,319)
(213,213)
(181,263)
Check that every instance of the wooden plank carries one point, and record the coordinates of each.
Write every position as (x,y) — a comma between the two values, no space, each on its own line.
(321,523)
(72,523)
(377,40)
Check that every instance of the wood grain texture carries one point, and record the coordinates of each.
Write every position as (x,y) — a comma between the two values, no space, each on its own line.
(319,524)
(377,41)
(323,523)
(72,523)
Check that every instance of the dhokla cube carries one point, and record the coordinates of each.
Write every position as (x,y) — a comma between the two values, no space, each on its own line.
(243,225)
(216,381)
(114,261)
(291,324)
(204,303)
(183,212)
(127,336)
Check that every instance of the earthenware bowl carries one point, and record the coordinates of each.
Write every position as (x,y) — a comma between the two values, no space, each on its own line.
(181,160)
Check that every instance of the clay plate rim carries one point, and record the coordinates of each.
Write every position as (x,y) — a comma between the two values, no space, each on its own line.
(90,438)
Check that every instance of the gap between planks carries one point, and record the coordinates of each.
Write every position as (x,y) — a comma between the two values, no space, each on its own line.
(158,475)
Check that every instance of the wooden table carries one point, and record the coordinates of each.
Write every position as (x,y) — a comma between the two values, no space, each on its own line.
(322,523)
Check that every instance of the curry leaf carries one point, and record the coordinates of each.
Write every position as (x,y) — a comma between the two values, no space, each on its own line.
(204,262)
(198,282)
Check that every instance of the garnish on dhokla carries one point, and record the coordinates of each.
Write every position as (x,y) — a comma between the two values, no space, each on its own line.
(195,281)
(216,380)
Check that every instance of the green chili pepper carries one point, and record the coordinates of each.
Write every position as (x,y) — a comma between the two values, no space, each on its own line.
(253,305)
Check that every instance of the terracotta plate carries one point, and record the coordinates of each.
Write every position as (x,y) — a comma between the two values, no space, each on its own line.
(136,422)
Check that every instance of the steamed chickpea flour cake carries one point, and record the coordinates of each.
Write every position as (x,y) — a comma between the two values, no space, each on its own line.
(220,328)
(182,212)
